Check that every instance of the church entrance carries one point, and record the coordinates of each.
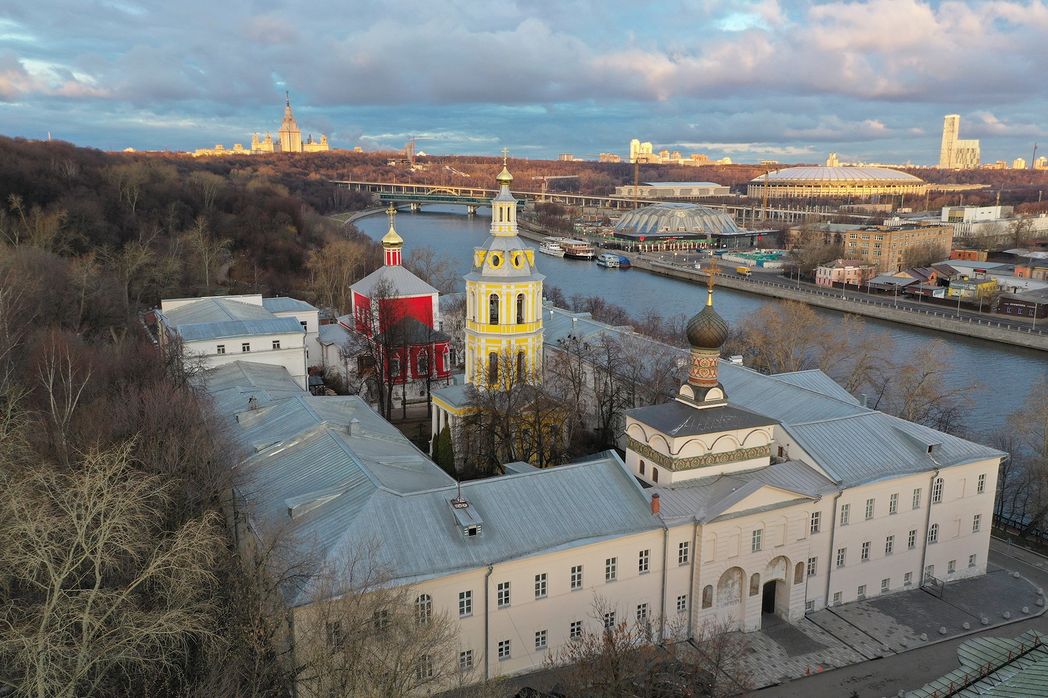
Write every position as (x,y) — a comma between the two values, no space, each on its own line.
(768,601)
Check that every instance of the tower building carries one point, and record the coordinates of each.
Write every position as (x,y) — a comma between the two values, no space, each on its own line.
(290,133)
(956,153)
(503,299)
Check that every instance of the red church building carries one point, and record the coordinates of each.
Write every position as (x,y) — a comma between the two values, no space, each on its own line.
(396,317)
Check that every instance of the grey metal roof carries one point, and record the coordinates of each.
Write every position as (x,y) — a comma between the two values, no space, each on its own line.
(678,419)
(820,174)
(704,499)
(1018,668)
(668,218)
(283,304)
(455,395)
(216,310)
(817,381)
(197,332)
(332,333)
(402,282)
(505,246)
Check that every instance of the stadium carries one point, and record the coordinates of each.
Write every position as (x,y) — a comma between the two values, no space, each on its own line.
(678,221)
(862,183)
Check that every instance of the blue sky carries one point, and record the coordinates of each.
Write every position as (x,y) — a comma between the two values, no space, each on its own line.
(752,80)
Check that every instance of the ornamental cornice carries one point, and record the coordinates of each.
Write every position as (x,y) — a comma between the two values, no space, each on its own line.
(692,462)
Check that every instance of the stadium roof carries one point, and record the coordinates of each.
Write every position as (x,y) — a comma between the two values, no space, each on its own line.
(821,174)
(676,219)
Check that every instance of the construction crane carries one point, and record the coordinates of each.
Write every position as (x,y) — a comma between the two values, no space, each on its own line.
(546,179)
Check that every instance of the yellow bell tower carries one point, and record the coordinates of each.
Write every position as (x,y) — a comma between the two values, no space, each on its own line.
(503,300)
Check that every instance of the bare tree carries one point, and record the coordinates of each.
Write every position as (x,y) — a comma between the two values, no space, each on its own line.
(333,269)
(102,600)
(209,250)
(433,268)
(924,254)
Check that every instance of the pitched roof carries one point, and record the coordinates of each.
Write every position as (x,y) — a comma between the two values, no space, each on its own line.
(218,318)
(401,282)
(678,419)
(1018,669)
(283,304)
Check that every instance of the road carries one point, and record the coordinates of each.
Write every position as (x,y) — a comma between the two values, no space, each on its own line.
(947,311)
(904,672)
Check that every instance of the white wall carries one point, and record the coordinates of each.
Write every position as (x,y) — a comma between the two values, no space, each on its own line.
(291,354)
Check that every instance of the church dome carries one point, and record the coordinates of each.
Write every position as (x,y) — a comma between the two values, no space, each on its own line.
(707,329)
(504,178)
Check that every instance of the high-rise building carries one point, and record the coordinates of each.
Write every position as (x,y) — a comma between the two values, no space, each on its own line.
(957,154)
(290,134)
(1041,163)
(1019,164)
(832,160)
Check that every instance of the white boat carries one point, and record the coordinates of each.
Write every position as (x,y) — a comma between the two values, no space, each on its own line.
(551,247)
(576,249)
(611,261)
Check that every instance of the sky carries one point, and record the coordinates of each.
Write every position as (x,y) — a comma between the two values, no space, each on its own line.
(762,79)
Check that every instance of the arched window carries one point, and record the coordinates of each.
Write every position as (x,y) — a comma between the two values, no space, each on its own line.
(423,609)
(642,467)
(521,365)
(493,367)
(520,308)
(755,584)
(471,311)
(707,596)
(654,474)
(798,573)
(423,362)
(493,309)
(394,367)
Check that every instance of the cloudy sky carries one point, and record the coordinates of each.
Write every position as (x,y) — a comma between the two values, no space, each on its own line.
(763,79)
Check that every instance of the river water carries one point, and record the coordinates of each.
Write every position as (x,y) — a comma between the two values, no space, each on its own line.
(998,376)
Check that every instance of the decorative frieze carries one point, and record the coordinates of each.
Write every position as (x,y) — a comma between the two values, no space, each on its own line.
(692,462)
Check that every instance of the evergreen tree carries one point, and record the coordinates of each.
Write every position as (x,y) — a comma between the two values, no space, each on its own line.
(444,452)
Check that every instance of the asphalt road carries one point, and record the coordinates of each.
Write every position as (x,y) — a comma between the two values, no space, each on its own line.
(880,678)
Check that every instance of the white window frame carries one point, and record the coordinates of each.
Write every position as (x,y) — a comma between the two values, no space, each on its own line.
(575,629)
(611,569)
(502,594)
(845,514)
(865,551)
(682,603)
(541,585)
(911,539)
(643,561)
(466,660)
(937,488)
(541,637)
(933,534)
(466,603)
(976,522)
(816,522)
(917,498)
(842,557)
(576,577)
(893,504)
(980,485)
(756,540)
(870,504)
(505,650)
(889,545)
(813,566)
(683,552)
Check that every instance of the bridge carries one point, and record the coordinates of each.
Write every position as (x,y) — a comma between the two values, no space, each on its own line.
(415,195)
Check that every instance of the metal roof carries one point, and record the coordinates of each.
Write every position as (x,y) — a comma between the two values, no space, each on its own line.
(198,332)
(215,310)
(821,175)
(283,304)
(332,333)
(817,381)
(995,667)
(675,418)
(402,282)
(682,184)
(668,218)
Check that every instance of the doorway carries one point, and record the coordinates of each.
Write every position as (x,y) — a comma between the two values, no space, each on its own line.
(768,598)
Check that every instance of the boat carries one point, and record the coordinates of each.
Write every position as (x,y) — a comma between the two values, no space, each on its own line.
(624,262)
(551,247)
(611,261)
(576,249)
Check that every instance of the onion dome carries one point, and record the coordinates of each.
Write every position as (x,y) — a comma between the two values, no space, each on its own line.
(504,178)
(707,329)
(392,237)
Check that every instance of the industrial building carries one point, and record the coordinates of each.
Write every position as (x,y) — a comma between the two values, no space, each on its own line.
(886,245)
(852,183)
(672,190)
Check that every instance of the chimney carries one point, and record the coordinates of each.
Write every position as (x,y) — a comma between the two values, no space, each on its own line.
(655,504)
(349,427)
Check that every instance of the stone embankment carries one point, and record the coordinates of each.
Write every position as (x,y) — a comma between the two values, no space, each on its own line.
(929,319)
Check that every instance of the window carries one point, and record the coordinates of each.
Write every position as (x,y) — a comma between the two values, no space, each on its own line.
(755,584)
(245,347)
(951,566)
(816,521)
(976,521)
(642,561)
(609,620)
(493,309)
(755,540)
(380,619)
(813,566)
(335,638)
(394,367)
(611,569)
(493,367)
(465,604)
(911,539)
(642,467)
(865,555)
(842,556)
(576,577)
(707,596)
(917,498)
(937,490)
(889,545)
(465,660)
(907,579)
(654,474)
(869,509)
(861,593)
(682,603)
(933,534)
(276,345)
(221,349)
(447,358)
(683,553)
(886,584)
(423,609)
(504,649)
(422,363)
(576,629)
(980,487)
(845,514)
(424,668)
(929,572)
(540,586)
(642,611)
(809,606)
(893,503)
(502,594)
(540,639)
(520,308)
(305,325)
(971,560)
(836,598)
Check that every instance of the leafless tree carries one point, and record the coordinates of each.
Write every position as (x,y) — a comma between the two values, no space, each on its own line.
(333,269)
(433,268)
(209,251)
(924,254)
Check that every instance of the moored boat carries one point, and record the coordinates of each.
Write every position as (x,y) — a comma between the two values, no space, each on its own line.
(611,261)
(576,249)
(551,247)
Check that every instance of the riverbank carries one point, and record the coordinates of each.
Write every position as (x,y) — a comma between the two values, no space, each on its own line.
(927,319)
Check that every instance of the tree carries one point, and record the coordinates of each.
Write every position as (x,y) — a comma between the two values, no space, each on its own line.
(812,247)
(434,269)
(924,254)
(918,392)
(334,268)
(209,250)
(102,599)
(444,452)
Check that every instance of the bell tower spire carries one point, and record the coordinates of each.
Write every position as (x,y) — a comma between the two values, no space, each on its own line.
(707,332)
(392,243)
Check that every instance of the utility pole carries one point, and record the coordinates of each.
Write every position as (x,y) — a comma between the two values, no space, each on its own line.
(1033,158)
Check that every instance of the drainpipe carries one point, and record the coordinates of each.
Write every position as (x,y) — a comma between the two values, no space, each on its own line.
(695,552)
(831,563)
(662,614)
(487,623)
(927,525)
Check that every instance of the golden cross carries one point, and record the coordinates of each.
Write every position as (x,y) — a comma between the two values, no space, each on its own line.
(392,213)
(711,273)
(505,156)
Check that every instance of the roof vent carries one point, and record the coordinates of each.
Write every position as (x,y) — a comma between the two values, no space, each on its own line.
(351,426)
(735,359)
(466,517)
(252,403)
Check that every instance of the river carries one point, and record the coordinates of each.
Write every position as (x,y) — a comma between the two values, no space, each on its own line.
(999,376)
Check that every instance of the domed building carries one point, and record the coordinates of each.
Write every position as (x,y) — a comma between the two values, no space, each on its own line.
(680,221)
(836,183)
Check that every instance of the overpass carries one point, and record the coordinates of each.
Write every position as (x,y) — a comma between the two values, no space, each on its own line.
(473,197)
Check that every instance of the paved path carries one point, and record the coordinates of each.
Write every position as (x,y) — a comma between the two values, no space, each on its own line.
(913,668)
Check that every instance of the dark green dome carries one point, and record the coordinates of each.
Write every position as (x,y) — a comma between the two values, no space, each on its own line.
(707,330)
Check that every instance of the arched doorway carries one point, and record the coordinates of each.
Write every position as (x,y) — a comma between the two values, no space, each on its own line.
(775,593)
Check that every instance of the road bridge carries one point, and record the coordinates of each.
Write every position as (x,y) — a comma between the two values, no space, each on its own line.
(472,197)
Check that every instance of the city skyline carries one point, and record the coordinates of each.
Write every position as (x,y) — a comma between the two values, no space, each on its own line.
(759,80)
